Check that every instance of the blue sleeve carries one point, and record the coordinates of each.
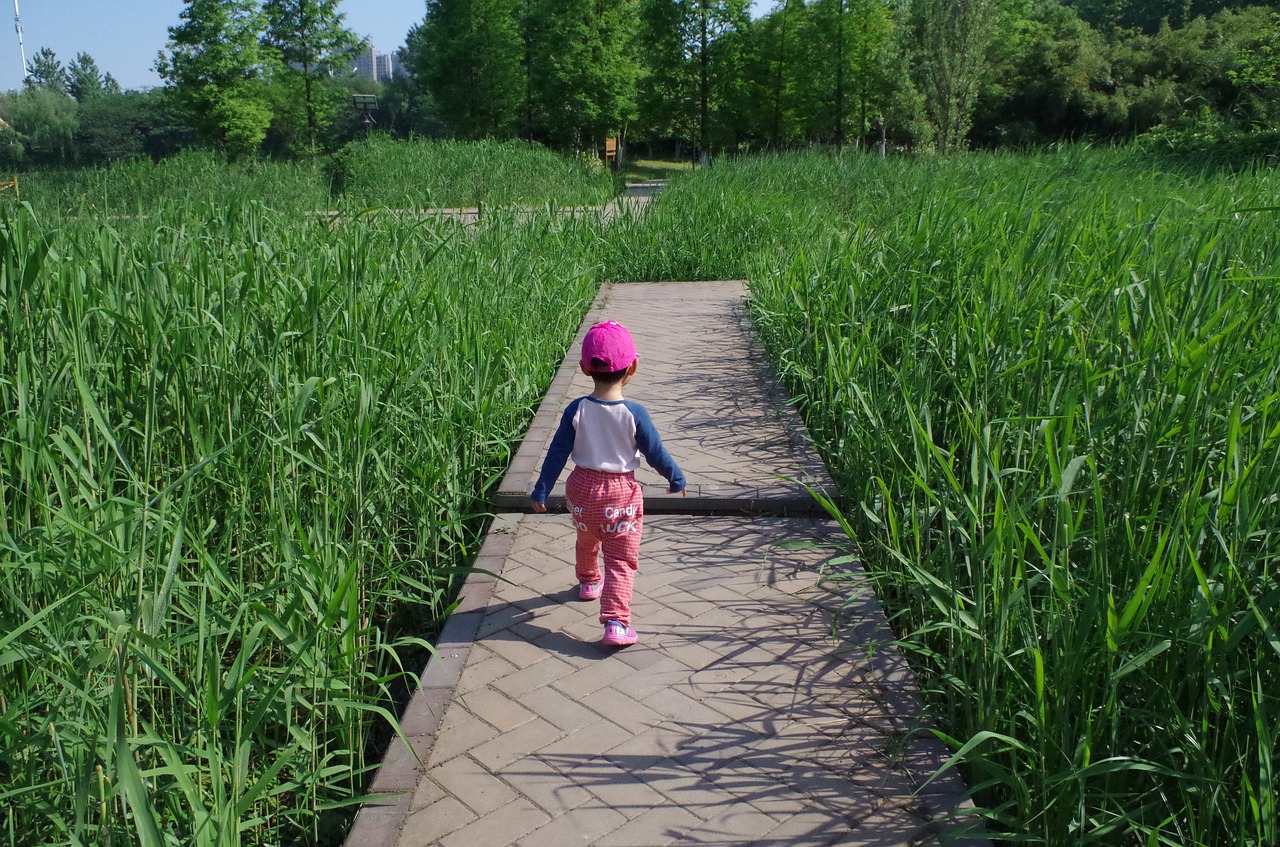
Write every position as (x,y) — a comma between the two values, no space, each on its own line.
(557,454)
(650,444)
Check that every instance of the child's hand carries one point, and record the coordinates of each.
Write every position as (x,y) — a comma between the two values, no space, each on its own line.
(538,507)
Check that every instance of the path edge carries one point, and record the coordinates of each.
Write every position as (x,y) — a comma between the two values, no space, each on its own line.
(382,816)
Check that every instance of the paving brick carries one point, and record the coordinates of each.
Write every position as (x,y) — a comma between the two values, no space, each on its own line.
(584,826)
(535,676)
(555,708)
(615,787)
(735,823)
(473,784)
(591,678)
(687,789)
(484,668)
(543,782)
(427,826)
(677,705)
(647,748)
(518,652)
(806,828)
(461,733)
(510,746)
(495,708)
(505,826)
(660,675)
(653,828)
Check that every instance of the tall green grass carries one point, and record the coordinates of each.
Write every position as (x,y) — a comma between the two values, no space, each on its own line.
(379,171)
(243,456)
(1048,389)
(373,173)
(192,180)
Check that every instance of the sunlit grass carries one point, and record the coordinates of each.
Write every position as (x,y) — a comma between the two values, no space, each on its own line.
(1048,389)
(244,457)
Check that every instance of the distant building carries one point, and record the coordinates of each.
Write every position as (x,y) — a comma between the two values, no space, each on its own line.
(389,66)
(366,62)
(379,67)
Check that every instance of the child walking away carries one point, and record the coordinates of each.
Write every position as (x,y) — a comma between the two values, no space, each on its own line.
(606,435)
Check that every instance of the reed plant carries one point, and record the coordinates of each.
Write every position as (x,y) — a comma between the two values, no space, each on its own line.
(192,180)
(373,173)
(244,459)
(1047,388)
(382,172)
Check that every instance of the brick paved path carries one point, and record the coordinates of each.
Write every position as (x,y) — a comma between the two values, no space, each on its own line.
(720,412)
(765,703)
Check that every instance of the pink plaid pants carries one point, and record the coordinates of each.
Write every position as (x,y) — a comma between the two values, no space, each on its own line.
(608,512)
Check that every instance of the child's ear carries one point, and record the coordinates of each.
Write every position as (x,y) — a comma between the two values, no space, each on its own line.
(631,371)
(585,370)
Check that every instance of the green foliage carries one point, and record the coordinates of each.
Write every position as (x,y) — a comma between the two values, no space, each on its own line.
(853,67)
(581,70)
(110,129)
(693,90)
(45,72)
(1205,142)
(468,54)
(1049,82)
(777,62)
(247,451)
(216,64)
(43,121)
(668,85)
(380,173)
(193,179)
(954,42)
(84,80)
(310,41)
(1047,388)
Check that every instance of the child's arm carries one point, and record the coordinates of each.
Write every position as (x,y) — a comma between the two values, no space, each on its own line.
(557,455)
(650,444)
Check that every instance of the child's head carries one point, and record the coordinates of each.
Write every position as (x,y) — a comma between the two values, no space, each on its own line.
(608,353)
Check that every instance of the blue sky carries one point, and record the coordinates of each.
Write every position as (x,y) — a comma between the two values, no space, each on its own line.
(124,36)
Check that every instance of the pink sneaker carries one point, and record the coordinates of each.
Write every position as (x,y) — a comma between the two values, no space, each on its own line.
(589,590)
(617,635)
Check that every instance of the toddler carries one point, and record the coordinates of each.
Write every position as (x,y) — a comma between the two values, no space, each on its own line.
(606,435)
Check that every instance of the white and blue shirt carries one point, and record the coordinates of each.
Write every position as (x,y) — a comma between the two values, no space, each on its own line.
(609,436)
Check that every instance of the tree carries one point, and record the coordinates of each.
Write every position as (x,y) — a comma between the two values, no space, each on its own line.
(217,65)
(581,70)
(785,31)
(308,37)
(84,78)
(109,129)
(717,57)
(1049,82)
(43,121)
(116,126)
(862,35)
(953,38)
(667,89)
(1257,72)
(46,72)
(695,62)
(468,54)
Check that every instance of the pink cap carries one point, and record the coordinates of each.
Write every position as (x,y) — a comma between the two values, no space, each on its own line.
(608,347)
